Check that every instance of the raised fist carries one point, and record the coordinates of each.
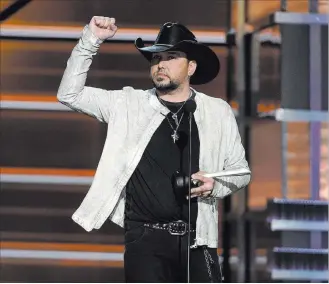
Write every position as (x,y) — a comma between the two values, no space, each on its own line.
(103,27)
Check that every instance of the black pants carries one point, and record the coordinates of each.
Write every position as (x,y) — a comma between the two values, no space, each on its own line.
(153,255)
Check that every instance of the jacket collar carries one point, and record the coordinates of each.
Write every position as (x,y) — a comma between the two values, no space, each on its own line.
(155,102)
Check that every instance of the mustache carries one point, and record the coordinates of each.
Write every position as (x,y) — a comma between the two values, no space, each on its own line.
(161,72)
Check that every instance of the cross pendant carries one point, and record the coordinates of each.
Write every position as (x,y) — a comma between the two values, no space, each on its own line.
(175,136)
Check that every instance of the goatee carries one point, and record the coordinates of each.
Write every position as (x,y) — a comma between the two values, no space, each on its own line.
(165,88)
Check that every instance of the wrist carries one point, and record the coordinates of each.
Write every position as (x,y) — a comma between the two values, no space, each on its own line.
(91,37)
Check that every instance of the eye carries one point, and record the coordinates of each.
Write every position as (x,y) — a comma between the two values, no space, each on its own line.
(171,57)
(156,57)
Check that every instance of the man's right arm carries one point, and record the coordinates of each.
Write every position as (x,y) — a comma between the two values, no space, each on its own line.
(73,92)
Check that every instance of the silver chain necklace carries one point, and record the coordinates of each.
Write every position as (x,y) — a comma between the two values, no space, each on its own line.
(174,116)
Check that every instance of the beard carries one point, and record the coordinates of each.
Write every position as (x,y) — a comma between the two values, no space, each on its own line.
(165,87)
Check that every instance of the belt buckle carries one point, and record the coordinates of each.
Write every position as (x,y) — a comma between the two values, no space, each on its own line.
(177,228)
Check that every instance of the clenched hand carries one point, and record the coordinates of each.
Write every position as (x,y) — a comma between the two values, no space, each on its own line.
(205,185)
(103,27)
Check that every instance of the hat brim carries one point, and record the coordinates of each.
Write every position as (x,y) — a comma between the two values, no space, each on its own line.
(208,64)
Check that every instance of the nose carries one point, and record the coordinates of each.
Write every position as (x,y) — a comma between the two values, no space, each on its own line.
(161,64)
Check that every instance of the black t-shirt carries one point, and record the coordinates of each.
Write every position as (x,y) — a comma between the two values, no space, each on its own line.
(150,196)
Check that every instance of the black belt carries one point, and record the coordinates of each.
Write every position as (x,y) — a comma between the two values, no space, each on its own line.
(178,228)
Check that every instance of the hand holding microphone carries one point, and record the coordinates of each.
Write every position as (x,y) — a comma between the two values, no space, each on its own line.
(103,27)
(203,183)
(206,182)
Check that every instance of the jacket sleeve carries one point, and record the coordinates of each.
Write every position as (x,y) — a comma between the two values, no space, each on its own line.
(235,158)
(72,91)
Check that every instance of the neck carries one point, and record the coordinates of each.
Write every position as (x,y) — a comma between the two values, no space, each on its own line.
(179,95)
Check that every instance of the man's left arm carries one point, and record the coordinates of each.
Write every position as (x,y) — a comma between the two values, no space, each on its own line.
(235,159)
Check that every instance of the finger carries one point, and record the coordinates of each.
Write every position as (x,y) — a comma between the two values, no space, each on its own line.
(200,178)
(101,22)
(112,21)
(204,187)
(97,21)
(200,194)
(200,173)
(199,189)
(107,23)
(195,192)
(104,20)
(208,182)
(113,27)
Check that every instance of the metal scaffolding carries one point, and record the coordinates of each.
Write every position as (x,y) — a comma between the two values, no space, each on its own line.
(303,93)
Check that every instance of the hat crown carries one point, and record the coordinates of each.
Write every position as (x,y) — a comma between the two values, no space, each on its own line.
(173,33)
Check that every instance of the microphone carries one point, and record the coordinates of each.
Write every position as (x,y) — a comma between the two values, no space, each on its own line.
(182,182)
(190,107)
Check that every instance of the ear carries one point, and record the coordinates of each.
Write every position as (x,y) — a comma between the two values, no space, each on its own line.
(192,65)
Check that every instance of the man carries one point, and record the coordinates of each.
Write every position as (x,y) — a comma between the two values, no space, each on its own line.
(146,145)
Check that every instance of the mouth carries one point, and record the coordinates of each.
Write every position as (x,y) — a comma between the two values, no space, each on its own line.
(161,75)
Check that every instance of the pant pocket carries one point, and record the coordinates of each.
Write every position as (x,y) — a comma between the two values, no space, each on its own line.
(134,235)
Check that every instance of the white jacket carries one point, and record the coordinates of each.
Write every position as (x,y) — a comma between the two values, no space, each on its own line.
(132,117)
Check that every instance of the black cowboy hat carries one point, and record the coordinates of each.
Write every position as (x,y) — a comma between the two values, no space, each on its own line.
(175,36)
